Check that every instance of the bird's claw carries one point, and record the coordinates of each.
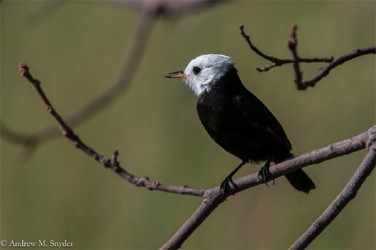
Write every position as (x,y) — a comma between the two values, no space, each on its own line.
(264,175)
(225,184)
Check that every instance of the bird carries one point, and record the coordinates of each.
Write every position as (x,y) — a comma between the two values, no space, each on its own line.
(236,119)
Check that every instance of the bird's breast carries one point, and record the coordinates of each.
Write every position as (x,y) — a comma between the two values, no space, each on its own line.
(215,110)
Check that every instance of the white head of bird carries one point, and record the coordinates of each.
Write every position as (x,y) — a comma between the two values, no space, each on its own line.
(204,71)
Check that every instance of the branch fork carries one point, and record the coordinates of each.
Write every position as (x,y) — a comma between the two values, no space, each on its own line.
(292,44)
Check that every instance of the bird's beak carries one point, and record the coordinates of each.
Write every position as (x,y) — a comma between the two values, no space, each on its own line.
(177,74)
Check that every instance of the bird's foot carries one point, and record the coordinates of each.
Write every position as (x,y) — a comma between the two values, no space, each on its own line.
(228,180)
(225,185)
(264,174)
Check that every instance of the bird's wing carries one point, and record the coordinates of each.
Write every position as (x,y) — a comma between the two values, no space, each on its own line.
(251,107)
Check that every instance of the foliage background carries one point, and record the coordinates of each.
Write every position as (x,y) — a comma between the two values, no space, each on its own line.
(59,193)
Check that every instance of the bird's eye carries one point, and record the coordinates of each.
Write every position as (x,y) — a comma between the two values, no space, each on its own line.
(196,70)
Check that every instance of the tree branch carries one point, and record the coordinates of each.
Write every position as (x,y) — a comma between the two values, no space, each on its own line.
(343,198)
(150,11)
(111,163)
(131,63)
(332,62)
(277,61)
(213,197)
(324,71)
(292,45)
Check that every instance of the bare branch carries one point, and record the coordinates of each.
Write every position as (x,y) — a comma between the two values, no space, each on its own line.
(292,45)
(277,61)
(343,198)
(150,10)
(132,60)
(111,163)
(213,197)
(324,71)
(332,62)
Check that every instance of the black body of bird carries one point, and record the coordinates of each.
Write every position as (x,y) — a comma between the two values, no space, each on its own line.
(237,120)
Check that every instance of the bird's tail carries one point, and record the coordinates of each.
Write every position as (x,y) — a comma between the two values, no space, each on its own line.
(300,180)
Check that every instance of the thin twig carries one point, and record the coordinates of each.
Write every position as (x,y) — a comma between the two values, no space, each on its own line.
(324,71)
(292,45)
(343,198)
(111,163)
(276,61)
(332,62)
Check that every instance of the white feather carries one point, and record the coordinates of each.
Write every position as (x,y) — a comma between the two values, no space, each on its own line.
(213,67)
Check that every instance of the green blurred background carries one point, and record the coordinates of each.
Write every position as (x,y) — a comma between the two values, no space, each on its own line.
(58,193)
